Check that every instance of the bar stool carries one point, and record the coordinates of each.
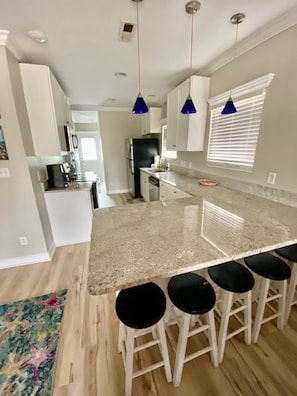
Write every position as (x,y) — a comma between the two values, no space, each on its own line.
(236,283)
(191,294)
(290,253)
(269,268)
(140,310)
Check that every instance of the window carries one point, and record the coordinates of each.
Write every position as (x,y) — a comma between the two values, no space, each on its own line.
(233,138)
(88,149)
(166,153)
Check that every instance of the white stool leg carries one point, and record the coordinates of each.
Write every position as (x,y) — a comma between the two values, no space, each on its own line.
(291,291)
(129,361)
(181,348)
(212,338)
(248,317)
(226,308)
(260,309)
(282,304)
(121,336)
(164,350)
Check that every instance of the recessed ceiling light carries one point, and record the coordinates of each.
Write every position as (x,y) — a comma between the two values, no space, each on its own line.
(120,74)
(37,36)
(151,96)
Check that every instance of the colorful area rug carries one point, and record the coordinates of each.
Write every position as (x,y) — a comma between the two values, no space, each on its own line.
(29,336)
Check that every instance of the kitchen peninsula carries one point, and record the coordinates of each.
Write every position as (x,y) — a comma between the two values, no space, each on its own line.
(138,243)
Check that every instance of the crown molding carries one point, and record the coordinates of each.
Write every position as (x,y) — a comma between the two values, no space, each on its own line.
(278,25)
(3,36)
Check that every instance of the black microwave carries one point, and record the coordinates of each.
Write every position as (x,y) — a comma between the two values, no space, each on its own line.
(70,139)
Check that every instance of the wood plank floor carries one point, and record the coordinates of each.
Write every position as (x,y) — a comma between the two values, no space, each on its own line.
(89,365)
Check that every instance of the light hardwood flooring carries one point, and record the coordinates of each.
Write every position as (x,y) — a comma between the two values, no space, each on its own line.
(88,363)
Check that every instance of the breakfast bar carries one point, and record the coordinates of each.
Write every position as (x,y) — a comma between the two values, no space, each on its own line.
(139,243)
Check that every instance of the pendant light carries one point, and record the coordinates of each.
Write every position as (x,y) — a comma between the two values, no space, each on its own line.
(140,106)
(236,19)
(191,8)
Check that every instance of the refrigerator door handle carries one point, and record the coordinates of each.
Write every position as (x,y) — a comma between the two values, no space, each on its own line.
(131,165)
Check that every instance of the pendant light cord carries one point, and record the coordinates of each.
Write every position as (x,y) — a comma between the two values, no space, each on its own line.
(138,48)
(191,53)
(234,54)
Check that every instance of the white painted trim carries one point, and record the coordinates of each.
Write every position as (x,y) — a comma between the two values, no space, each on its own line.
(117,191)
(3,36)
(27,260)
(124,109)
(24,260)
(255,86)
(74,242)
(278,25)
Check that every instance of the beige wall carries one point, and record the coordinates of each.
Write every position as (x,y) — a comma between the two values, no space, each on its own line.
(19,210)
(277,145)
(116,127)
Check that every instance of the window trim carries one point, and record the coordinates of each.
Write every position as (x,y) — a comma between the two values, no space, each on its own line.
(251,97)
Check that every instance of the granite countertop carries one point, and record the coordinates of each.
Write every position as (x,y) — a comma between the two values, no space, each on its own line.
(74,186)
(138,243)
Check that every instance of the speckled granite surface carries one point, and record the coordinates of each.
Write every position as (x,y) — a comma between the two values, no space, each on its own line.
(134,244)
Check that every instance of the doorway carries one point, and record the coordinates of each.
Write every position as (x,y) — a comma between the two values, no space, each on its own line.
(90,152)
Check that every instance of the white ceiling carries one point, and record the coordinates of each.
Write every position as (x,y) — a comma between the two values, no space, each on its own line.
(84,52)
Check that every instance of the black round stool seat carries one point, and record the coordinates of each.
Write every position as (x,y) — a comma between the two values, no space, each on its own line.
(288,252)
(232,276)
(191,293)
(141,306)
(268,266)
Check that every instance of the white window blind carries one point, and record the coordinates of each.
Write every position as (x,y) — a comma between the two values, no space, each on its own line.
(233,137)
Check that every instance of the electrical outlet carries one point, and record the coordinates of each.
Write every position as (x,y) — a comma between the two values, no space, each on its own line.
(23,241)
(271,178)
(4,172)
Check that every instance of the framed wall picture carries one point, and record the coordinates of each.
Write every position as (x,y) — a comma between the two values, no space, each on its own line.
(3,149)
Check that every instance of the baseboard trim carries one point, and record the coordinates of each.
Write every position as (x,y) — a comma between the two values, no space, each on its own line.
(25,260)
(117,191)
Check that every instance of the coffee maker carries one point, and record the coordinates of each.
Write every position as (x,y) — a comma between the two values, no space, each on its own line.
(57,177)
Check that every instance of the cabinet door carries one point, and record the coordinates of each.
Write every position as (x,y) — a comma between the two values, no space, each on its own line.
(151,121)
(168,192)
(144,186)
(172,116)
(43,108)
(183,119)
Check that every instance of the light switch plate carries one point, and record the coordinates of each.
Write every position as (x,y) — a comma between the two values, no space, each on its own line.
(4,172)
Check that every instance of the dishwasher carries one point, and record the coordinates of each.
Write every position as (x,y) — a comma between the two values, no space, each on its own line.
(153,188)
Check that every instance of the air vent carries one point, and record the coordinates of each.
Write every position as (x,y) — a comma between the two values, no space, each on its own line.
(126,31)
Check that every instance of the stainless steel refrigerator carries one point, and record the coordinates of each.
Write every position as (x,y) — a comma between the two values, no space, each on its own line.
(140,154)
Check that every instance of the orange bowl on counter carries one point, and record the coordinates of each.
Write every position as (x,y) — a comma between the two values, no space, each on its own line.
(208,182)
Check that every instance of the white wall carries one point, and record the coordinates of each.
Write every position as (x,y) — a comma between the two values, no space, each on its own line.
(116,127)
(19,210)
(277,145)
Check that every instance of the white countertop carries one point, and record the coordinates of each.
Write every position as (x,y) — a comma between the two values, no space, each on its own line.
(138,243)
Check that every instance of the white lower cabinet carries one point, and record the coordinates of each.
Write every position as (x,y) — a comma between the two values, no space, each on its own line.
(168,192)
(144,186)
(70,214)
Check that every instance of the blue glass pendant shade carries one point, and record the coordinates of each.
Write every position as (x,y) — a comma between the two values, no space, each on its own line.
(229,107)
(188,107)
(140,107)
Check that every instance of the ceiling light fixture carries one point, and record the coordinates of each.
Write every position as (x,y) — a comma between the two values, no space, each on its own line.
(236,19)
(188,108)
(140,106)
(37,36)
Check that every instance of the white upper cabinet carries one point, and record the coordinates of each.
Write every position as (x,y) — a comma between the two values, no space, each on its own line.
(185,132)
(151,121)
(45,102)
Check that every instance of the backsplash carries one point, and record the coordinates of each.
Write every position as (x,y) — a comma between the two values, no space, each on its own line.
(284,197)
